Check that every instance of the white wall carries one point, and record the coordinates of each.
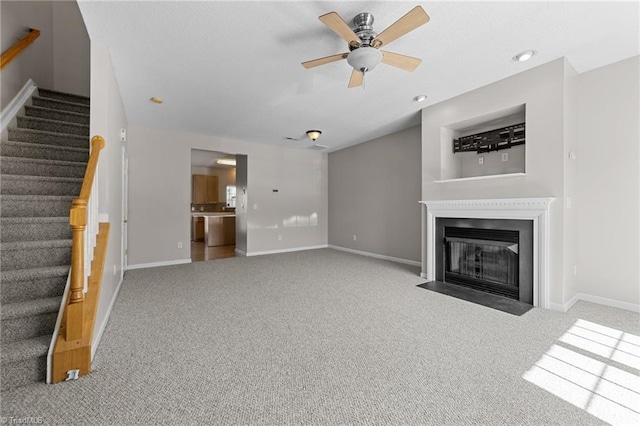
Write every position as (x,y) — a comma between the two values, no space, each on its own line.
(107,118)
(36,62)
(541,89)
(71,50)
(608,189)
(159,194)
(374,189)
(59,59)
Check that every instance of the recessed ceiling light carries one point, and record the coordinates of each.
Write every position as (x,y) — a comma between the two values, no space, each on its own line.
(420,98)
(524,56)
(156,100)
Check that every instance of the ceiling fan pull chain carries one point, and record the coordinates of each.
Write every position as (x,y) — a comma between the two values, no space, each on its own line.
(363,75)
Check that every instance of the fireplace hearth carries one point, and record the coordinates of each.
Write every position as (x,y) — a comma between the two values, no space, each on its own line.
(490,255)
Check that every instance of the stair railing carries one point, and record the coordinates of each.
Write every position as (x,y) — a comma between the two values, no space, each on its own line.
(83,218)
(14,51)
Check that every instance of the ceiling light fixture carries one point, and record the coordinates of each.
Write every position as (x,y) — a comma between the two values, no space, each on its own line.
(226,161)
(156,100)
(420,98)
(314,134)
(524,56)
(364,59)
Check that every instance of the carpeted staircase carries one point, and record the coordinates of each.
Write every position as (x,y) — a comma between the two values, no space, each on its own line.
(41,169)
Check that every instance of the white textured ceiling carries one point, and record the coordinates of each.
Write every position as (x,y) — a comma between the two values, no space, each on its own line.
(232,69)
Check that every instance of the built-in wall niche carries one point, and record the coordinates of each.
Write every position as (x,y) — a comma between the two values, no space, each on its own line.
(506,161)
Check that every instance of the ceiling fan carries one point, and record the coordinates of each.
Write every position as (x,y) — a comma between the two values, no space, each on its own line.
(364,43)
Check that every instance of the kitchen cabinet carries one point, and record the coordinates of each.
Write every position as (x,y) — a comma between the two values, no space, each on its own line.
(204,189)
(197,228)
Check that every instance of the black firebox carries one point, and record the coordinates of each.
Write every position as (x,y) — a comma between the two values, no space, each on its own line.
(491,255)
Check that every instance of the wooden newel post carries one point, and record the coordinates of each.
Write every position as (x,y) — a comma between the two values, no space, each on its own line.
(75,308)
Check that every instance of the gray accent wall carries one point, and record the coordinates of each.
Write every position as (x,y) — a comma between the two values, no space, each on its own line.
(374,190)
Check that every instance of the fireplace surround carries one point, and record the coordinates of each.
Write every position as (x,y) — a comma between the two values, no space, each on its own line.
(534,210)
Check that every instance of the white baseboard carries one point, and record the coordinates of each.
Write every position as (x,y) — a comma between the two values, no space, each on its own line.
(13,108)
(156,264)
(289,250)
(241,252)
(633,307)
(378,256)
(98,336)
(423,275)
(559,307)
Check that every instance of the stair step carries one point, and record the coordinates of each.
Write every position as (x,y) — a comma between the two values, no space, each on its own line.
(26,320)
(34,228)
(21,285)
(41,167)
(25,349)
(35,205)
(52,126)
(54,114)
(60,105)
(48,138)
(24,362)
(45,152)
(35,254)
(39,185)
(54,94)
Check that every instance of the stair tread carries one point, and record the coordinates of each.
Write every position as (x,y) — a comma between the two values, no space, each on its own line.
(30,308)
(56,134)
(35,197)
(22,245)
(40,108)
(35,273)
(25,349)
(48,120)
(33,219)
(42,89)
(60,101)
(53,178)
(44,146)
(45,161)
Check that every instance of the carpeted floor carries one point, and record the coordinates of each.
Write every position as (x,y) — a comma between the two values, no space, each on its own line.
(327,337)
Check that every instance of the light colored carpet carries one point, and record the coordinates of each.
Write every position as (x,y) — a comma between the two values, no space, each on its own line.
(314,337)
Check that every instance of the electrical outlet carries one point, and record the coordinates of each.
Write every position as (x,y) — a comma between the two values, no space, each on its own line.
(179,244)
(115,271)
(255,207)
(480,160)
(279,237)
(354,238)
(568,202)
(505,156)
(575,271)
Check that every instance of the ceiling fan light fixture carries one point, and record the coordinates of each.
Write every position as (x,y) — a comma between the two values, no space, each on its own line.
(524,56)
(364,59)
(314,134)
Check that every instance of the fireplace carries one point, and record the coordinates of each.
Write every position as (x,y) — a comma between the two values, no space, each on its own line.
(490,255)
(534,211)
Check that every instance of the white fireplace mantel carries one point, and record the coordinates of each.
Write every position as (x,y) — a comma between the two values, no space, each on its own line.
(534,209)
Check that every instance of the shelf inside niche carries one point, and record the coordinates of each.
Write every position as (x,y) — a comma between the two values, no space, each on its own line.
(465,179)
(472,165)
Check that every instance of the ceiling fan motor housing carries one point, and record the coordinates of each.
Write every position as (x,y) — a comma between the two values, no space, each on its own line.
(364,29)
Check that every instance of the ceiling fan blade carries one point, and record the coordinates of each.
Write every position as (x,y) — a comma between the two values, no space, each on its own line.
(409,22)
(397,60)
(325,60)
(338,26)
(356,79)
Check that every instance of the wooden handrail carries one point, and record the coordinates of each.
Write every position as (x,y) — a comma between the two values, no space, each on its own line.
(15,50)
(78,221)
